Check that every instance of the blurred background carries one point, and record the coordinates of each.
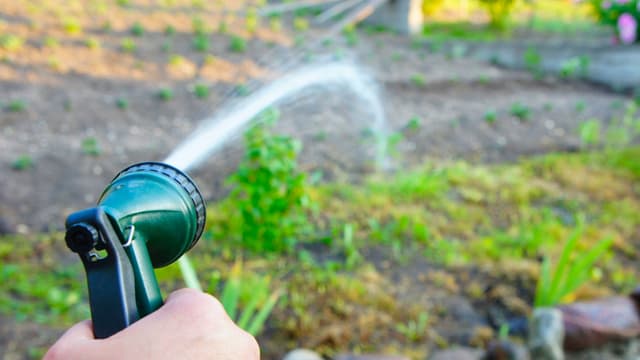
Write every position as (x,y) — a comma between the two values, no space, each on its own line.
(449,166)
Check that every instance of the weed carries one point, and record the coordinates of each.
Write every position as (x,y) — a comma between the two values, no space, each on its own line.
(123,3)
(580,106)
(352,254)
(269,191)
(521,111)
(23,162)
(11,42)
(275,24)
(170,30)
(499,12)
(418,80)
(415,330)
(589,132)
(201,43)
(122,103)
(137,29)
(90,146)
(72,26)
(166,46)
(50,42)
(92,43)
(490,117)
(165,94)
(570,272)
(201,90)
(16,106)
(128,45)
(238,44)
(242,90)
(300,24)
(251,22)
(350,35)
(223,28)
(198,26)
(533,62)
(413,124)
(575,67)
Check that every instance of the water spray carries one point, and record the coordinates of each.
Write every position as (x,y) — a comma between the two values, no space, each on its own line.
(147,217)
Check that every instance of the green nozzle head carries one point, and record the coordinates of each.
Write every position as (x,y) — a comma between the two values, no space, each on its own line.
(161,205)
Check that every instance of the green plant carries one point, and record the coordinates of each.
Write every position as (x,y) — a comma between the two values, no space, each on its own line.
(50,42)
(499,12)
(521,111)
(165,94)
(350,35)
(253,295)
(123,3)
(353,256)
(10,42)
(413,124)
(575,67)
(92,43)
(533,61)
(137,29)
(269,191)
(589,132)
(242,89)
(490,116)
(300,24)
(169,30)
(72,26)
(198,26)
(128,45)
(201,90)
(16,106)
(23,162)
(418,80)
(90,146)
(581,106)
(571,271)
(122,103)
(238,44)
(201,43)
(415,330)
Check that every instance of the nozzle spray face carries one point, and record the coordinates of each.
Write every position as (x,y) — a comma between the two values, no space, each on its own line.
(148,216)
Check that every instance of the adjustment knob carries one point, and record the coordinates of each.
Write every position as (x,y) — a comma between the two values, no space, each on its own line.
(81,238)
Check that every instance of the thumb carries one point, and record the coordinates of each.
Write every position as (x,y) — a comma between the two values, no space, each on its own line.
(82,331)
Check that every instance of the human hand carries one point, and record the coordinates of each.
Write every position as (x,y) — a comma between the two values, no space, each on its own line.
(190,325)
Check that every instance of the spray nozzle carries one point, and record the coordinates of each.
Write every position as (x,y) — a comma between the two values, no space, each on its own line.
(147,217)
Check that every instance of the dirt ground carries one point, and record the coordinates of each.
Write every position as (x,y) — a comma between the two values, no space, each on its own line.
(70,93)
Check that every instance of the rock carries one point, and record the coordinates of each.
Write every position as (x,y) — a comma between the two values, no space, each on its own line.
(458,353)
(369,357)
(595,323)
(302,354)
(505,350)
(546,334)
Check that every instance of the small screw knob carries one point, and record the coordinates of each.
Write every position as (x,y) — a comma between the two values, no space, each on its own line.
(81,238)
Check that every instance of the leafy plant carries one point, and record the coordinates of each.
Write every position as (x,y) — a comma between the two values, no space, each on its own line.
(128,45)
(414,330)
(269,191)
(11,42)
(137,29)
(122,103)
(23,162)
(165,94)
(238,44)
(248,300)
(16,106)
(90,146)
(570,272)
(418,80)
(170,30)
(353,256)
(533,61)
(414,124)
(499,12)
(589,132)
(201,90)
(575,67)
(201,43)
(521,111)
(72,26)
(300,24)
(92,43)
(490,116)
(198,26)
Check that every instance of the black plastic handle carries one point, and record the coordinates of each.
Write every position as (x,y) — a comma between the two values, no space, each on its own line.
(110,278)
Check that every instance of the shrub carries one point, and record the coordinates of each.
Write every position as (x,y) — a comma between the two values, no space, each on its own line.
(269,191)
(499,12)
(622,15)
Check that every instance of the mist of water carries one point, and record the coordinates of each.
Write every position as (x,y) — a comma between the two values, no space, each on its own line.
(218,129)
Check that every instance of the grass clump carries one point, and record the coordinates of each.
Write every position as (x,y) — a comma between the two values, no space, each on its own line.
(238,44)
(23,162)
(165,94)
